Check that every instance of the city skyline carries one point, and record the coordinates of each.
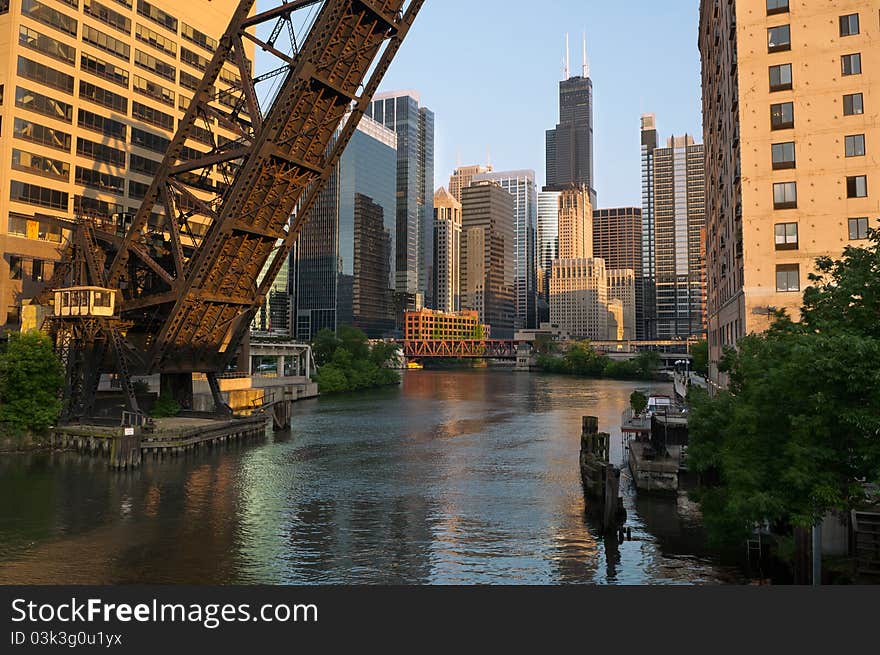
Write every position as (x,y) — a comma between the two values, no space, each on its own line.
(624,88)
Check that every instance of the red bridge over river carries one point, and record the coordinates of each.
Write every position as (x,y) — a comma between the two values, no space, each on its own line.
(461,349)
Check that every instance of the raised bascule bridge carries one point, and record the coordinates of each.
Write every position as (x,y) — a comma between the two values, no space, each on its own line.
(174,291)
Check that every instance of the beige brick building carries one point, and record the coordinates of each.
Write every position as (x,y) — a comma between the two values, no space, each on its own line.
(791,111)
(91,95)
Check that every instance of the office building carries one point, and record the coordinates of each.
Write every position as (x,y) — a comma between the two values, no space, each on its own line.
(617,239)
(403,112)
(548,247)
(569,146)
(275,314)
(521,185)
(622,290)
(428,324)
(344,259)
(487,265)
(575,224)
(646,327)
(462,177)
(789,128)
(679,221)
(447,251)
(92,92)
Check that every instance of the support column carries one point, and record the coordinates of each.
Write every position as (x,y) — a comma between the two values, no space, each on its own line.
(308,363)
(279,368)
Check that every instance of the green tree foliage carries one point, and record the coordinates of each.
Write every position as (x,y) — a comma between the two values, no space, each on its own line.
(798,432)
(638,401)
(164,407)
(700,354)
(353,364)
(30,382)
(583,360)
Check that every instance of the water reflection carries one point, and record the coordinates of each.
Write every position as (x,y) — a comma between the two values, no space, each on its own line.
(456,477)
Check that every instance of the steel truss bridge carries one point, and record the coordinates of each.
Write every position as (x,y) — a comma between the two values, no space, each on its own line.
(460,349)
(186,297)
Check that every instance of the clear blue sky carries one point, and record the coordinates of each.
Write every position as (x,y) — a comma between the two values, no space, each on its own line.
(490,70)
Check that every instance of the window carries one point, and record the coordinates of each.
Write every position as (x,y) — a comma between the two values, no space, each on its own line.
(99,152)
(40,165)
(780,77)
(851,64)
(777,7)
(157,66)
(42,104)
(190,82)
(101,68)
(853,104)
(152,116)
(149,141)
(100,180)
(142,165)
(858,228)
(148,36)
(28,131)
(855,145)
(779,38)
(48,46)
(83,206)
(782,116)
(785,195)
(37,195)
(48,16)
(849,25)
(157,15)
(788,278)
(106,42)
(193,59)
(37,270)
(137,190)
(102,124)
(783,155)
(857,186)
(109,16)
(152,90)
(103,97)
(14,267)
(192,34)
(45,75)
(786,236)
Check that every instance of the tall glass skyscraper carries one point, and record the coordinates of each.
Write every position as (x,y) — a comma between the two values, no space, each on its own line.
(569,147)
(548,247)
(401,111)
(344,260)
(521,185)
(646,319)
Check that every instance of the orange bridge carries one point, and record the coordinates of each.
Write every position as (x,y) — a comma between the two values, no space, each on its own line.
(461,349)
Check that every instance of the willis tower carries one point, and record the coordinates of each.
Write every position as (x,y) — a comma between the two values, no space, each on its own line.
(570,145)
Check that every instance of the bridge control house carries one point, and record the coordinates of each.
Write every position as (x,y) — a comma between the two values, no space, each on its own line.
(429,325)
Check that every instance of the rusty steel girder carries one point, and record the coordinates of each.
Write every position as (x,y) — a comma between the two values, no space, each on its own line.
(190,297)
(460,349)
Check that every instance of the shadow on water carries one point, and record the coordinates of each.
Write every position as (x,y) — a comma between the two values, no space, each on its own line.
(454,477)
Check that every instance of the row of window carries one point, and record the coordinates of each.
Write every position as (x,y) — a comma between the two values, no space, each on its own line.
(787,233)
(785,193)
(781,78)
(779,37)
(38,272)
(783,154)
(782,114)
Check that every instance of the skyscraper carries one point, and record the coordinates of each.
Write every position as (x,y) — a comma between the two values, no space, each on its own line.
(646,327)
(569,147)
(402,112)
(487,256)
(462,177)
(791,136)
(447,251)
(617,238)
(548,247)
(93,91)
(344,258)
(679,220)
(521,185)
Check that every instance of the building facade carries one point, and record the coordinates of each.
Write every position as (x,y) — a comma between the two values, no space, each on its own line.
(427,325)
(679,223)
(462,177)
(487,256)
(617,238)
(569,146)
(344,260)
(622,290)
(403,112)
(790,116)
(575,224)
(521,185)
(548,247)
(579,298)
(447,251)
(92,93)
(646,327)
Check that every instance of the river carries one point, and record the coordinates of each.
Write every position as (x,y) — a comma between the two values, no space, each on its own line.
(455,477)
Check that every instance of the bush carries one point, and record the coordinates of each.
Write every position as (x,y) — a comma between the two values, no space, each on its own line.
(30,382)
(165,407)
(350,363)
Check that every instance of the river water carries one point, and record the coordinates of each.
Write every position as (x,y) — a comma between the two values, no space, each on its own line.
(455,477)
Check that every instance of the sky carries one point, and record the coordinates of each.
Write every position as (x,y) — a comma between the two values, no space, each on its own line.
(490,70)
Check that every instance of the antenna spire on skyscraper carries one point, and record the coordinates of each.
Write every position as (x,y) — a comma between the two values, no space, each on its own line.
(586,60)
(566,73)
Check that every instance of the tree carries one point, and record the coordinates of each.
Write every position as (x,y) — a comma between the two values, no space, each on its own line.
(648,363)
(30,382)
(638,401)
(349,363)
(700,354)
(798,433)
(324,345)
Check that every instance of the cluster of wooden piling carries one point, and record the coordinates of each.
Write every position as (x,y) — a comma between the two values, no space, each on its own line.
(126,448)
